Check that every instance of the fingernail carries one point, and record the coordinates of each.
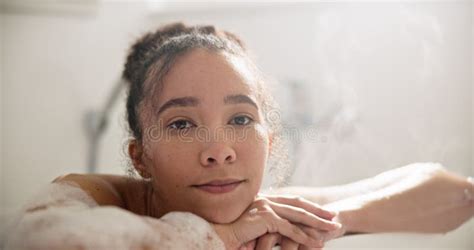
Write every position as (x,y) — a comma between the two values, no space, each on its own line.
(334,213)
(338,225)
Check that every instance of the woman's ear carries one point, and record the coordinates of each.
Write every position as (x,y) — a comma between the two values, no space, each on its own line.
(136,153)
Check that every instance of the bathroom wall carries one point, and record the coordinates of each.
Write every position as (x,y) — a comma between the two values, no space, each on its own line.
(2,190)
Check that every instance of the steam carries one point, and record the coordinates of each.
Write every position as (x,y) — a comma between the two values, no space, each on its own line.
(375,71)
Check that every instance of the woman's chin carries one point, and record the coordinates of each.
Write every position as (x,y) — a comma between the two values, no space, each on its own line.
(222,217)
(223,209)
(221,213)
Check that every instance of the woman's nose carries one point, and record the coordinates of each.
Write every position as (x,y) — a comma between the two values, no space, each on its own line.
(218,154)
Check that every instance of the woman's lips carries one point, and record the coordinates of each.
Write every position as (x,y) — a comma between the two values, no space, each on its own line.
(219,186)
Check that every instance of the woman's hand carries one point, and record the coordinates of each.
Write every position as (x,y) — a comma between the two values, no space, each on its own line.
(268,241)
(298,220)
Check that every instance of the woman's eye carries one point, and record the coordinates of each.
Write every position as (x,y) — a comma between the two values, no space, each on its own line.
(180,124)
(241,120)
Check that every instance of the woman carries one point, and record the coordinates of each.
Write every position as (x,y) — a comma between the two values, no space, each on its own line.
(196,109)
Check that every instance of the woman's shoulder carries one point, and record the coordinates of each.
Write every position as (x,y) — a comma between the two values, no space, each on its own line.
(108,190)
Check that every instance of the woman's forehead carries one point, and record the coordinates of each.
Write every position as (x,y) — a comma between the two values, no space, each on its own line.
(205,73)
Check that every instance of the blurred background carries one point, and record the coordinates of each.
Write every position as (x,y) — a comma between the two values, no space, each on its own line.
(364,87)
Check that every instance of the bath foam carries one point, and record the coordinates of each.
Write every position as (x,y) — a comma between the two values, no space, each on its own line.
(64,216)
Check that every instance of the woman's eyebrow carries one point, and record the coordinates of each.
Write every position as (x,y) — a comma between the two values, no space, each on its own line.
(187,101)
(236,99)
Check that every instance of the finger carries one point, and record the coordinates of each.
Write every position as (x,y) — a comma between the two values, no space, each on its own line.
(267,241)
(260,222)
(302,247)
(315,234)
(249,245)
(288,244)
(276,224)
(309,206)
(299,215)
(324,236)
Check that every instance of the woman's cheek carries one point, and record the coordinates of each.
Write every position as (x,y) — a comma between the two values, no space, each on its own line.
(254,150)
(260,140)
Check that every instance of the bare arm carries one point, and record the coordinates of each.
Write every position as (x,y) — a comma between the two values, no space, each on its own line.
(330,194)
(421,197)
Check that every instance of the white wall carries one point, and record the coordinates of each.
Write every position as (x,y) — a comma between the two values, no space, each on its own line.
(385,84)
(58,66)
(2,182)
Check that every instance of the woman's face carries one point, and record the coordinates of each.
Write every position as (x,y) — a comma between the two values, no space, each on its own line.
(208,145)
